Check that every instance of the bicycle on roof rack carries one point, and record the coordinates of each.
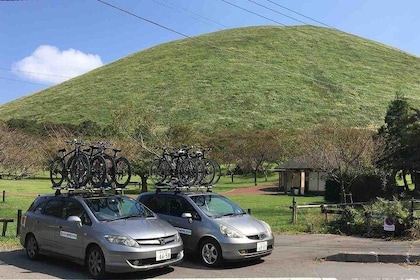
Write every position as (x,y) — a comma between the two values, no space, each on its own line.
(209,171)
(72,166)
(93,166)
(173,167)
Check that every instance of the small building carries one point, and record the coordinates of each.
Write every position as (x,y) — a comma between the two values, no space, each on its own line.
(298,176)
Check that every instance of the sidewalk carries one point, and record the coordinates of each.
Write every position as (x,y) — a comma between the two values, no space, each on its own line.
(328,247)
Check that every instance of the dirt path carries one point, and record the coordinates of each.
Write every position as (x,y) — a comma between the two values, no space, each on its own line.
(269,189)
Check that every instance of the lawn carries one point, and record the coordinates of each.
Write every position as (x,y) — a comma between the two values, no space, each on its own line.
(274,209)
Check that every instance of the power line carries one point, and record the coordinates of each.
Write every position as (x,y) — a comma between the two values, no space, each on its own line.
(36,73)
(300,14)
(254,13)
(21,81)
(276,11)
(224,50)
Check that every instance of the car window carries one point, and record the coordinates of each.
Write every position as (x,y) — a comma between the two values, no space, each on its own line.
(215,205)
(54,208)
(116,207)
(74,208)
(155,203)
(39,202)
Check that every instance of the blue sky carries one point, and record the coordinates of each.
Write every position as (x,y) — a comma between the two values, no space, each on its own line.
(44,42)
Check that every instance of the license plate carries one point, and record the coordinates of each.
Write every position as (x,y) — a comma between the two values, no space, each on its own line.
(261,246)
(163,255)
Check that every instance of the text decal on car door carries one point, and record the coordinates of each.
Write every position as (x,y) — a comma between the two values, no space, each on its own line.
(70,235)
(183,231)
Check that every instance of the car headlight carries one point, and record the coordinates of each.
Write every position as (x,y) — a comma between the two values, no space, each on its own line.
(230,232)
(267,226)
(177,237)
(122,240)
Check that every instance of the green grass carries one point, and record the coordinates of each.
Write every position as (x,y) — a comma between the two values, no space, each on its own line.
(274,209)
(246,78)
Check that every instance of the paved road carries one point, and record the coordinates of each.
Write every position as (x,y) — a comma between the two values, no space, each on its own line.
(294,256)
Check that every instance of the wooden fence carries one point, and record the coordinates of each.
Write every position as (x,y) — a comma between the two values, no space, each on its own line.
(328,209)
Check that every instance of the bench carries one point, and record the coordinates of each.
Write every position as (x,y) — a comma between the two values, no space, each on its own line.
(5,221)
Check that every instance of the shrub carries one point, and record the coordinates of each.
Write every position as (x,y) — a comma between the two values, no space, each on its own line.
(351,222)
(367,188)
(332,191)
(396,210)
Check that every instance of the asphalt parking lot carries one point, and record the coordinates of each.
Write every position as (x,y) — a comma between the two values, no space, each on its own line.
(309,256)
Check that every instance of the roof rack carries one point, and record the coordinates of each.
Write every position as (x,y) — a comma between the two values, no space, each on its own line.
(84,189)
(179,188)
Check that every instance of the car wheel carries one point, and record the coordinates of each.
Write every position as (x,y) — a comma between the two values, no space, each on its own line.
(210,253)
(95,262)
(32,248)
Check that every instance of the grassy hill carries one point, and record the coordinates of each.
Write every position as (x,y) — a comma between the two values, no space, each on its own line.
(255,77)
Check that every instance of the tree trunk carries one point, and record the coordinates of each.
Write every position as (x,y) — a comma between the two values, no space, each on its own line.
(255,177)
(143,183)
(404,174)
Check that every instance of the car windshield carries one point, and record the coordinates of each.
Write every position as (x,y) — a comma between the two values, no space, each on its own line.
(117,207)
(217,206)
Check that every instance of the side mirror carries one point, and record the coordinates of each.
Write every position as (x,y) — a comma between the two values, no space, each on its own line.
(187,216)
(75,219)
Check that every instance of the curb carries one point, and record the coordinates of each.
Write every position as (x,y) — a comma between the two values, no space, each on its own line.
(373,257)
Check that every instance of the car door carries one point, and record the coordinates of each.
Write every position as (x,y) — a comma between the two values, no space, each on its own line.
(187,227)
(47,224)
(70,235)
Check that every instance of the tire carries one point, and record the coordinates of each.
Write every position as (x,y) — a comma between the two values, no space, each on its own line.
(95,263)
(208,172)
(110,171)
(217,172)
(210,253)
(79,167)
(32,248)
(58,172)
(98,171)
(159,171)
(187,172)
(122,172)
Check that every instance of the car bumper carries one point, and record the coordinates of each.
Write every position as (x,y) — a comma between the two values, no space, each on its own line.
(139,261)
(248,250)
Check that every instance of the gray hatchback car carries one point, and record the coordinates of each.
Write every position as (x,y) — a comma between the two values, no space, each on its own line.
(107,233)
(212,225)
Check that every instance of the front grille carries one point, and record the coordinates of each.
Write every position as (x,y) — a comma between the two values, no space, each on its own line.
(260,236)
(157,241)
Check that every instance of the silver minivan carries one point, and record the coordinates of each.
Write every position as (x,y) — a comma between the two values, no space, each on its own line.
(105,232)
(212,225)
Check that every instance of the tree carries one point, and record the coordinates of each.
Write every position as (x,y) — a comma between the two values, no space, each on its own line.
(256,148)
(344,153)
(19,152)
(400,135)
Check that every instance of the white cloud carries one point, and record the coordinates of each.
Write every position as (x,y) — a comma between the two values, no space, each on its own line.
(47,64)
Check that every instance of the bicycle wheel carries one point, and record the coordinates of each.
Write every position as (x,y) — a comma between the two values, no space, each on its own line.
(122,172)
(208,173)
(98,171)
(58,172)
(110,171)
(217,172)
(187,172)
(159,171)
(79,171)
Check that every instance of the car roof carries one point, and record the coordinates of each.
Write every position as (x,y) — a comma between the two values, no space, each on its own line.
(181,193)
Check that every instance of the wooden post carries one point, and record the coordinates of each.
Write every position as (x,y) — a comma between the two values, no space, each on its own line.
(412,210)
(4,194)
(324,210)
(368,223)
(19,220)
(294,211)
